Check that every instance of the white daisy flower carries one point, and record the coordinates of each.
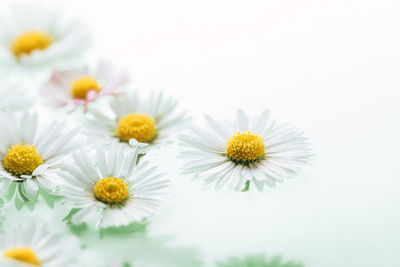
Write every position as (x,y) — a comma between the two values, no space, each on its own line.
(136,121)
(15,95)
(38,38)
(111,189)
(74,88)
(246,151)
(33,245)
(29,159)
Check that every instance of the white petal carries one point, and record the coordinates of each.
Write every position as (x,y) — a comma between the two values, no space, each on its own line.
(218,128)
(31,188)
(40,169)
(83,214)
(242,122)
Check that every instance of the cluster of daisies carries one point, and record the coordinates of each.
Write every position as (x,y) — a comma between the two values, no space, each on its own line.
(98,166)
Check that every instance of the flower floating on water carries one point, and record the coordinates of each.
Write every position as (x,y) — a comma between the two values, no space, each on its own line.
(112,188)
(30,158)
(137,121)
(74,88)
(36,38)
(244,152)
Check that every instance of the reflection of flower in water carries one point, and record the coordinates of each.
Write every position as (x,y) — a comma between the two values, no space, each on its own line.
(257,260)
(132,246)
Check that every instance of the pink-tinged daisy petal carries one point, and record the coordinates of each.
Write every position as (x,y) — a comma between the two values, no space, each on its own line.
(77,88)
(91,95)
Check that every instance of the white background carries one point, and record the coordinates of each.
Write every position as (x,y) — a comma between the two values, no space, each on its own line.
(329,67)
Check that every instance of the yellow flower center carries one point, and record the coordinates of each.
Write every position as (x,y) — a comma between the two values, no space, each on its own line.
(22,159)
(23,254)
(245,147)
(138,126)
(30,41)
(111,190)
(81,86)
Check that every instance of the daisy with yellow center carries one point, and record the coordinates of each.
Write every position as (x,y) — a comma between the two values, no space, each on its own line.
(81,86)
(137,126)
(29,246)
(29,158)
(40,39)
(245,147)
(22,254)
(22,159)
(111,188)
(250,151)
(26,43)
(78,87)
(138,121)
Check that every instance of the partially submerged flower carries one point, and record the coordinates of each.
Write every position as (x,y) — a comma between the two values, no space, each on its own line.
(257,260)
(34,245)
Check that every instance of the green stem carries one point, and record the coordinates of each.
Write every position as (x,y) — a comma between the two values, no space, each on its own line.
(247,186)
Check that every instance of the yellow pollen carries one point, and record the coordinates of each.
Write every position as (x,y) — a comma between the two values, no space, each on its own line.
(245,147)
(22,159)
(23,254)
(81,86)
(30,41)
(111,190)
(138,126)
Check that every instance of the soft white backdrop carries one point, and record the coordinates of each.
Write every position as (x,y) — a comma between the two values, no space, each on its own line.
(329,67)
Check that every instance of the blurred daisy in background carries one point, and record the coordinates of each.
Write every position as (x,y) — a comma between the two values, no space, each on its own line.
(38,39)
(34,245)
(137,121)
(244,152)
(78,87)
(113,189)
(15,95)
(29,159)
